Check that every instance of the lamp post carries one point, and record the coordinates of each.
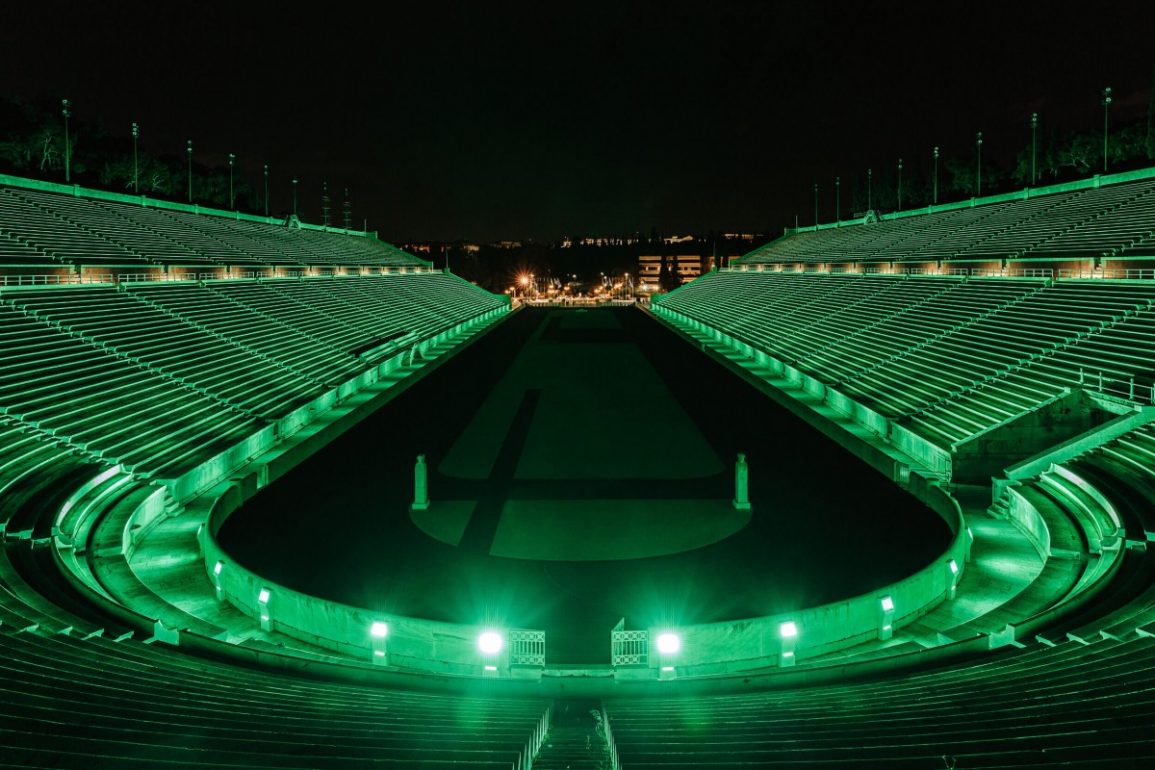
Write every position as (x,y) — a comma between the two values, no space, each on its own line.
(869,180)
(979,164)
(936,175)
(232,199)
(837,199)
(1106,109)
(135,160)
(294,196)
(266,189)
(1034,144)
(815,205)
(189,148)
(900,184)
(66,112)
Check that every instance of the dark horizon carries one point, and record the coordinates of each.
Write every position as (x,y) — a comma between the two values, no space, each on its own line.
(460,122)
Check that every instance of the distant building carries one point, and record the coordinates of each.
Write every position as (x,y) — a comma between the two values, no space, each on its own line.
(686,266)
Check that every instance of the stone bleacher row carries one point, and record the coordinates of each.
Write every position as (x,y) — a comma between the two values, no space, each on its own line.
(110,375)
(950,356)
(1082,694)
(1113,220)
(159,376)
(42,228)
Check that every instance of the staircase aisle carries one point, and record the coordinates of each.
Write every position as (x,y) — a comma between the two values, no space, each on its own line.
(575,740)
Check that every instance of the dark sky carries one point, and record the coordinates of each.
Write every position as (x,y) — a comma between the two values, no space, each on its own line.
(486,120)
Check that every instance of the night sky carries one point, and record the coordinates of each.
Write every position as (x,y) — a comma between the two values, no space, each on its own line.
(489,121)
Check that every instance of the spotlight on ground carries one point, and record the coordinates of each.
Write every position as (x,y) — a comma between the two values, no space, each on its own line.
(490,642)
(669,643)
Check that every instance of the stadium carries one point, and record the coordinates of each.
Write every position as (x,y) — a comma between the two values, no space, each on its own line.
(211,420)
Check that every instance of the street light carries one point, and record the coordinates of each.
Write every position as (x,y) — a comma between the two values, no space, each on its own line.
(936,175)
(189,148)
(900,184)
(1034,144)
(1106,109)
(66,112)
(232,162)
(837,199)
(266,189)
(135,160)
(869,180)
(294,196)
(979,164)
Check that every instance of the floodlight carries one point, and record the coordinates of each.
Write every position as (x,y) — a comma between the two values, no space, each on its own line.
(491,668)
(379,630)
(220,565)
(788,630)
(953,567)
(490,642)
(887,604)
(263,596)
(667,668)
(669,643)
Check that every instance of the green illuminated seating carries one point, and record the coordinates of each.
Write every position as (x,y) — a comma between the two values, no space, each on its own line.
(1107,220)
(38,227)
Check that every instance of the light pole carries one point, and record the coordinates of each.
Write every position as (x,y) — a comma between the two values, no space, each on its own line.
(869,180)
(1106,109)
(936,175)
(232,199)
(266,189)
(189,148)
(1034,144)
(900,184)
(979,164)
(135,160)
(66,112)
(815,205)
(294,196)
(837,199)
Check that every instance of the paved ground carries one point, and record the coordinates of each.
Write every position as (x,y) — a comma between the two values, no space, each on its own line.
(582,468)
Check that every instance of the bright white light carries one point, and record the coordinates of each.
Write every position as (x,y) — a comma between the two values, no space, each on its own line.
(669,643)
(490,642)
(953,567)
(220,565)
(667,668)
(379,630)
(491,668)
(263,596)
(887,604)
(788,654)
(788,630)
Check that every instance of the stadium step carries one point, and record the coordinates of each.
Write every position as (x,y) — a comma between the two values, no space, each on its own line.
(575,740)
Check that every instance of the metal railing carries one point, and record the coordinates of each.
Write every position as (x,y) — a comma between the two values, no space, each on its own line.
(526,647)
(608,734)
(630,648)
(1120,388)
(38,279)
(533,745)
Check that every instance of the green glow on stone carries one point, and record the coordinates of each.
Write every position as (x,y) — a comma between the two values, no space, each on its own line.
(788,630)
(669,643)
(490,642)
